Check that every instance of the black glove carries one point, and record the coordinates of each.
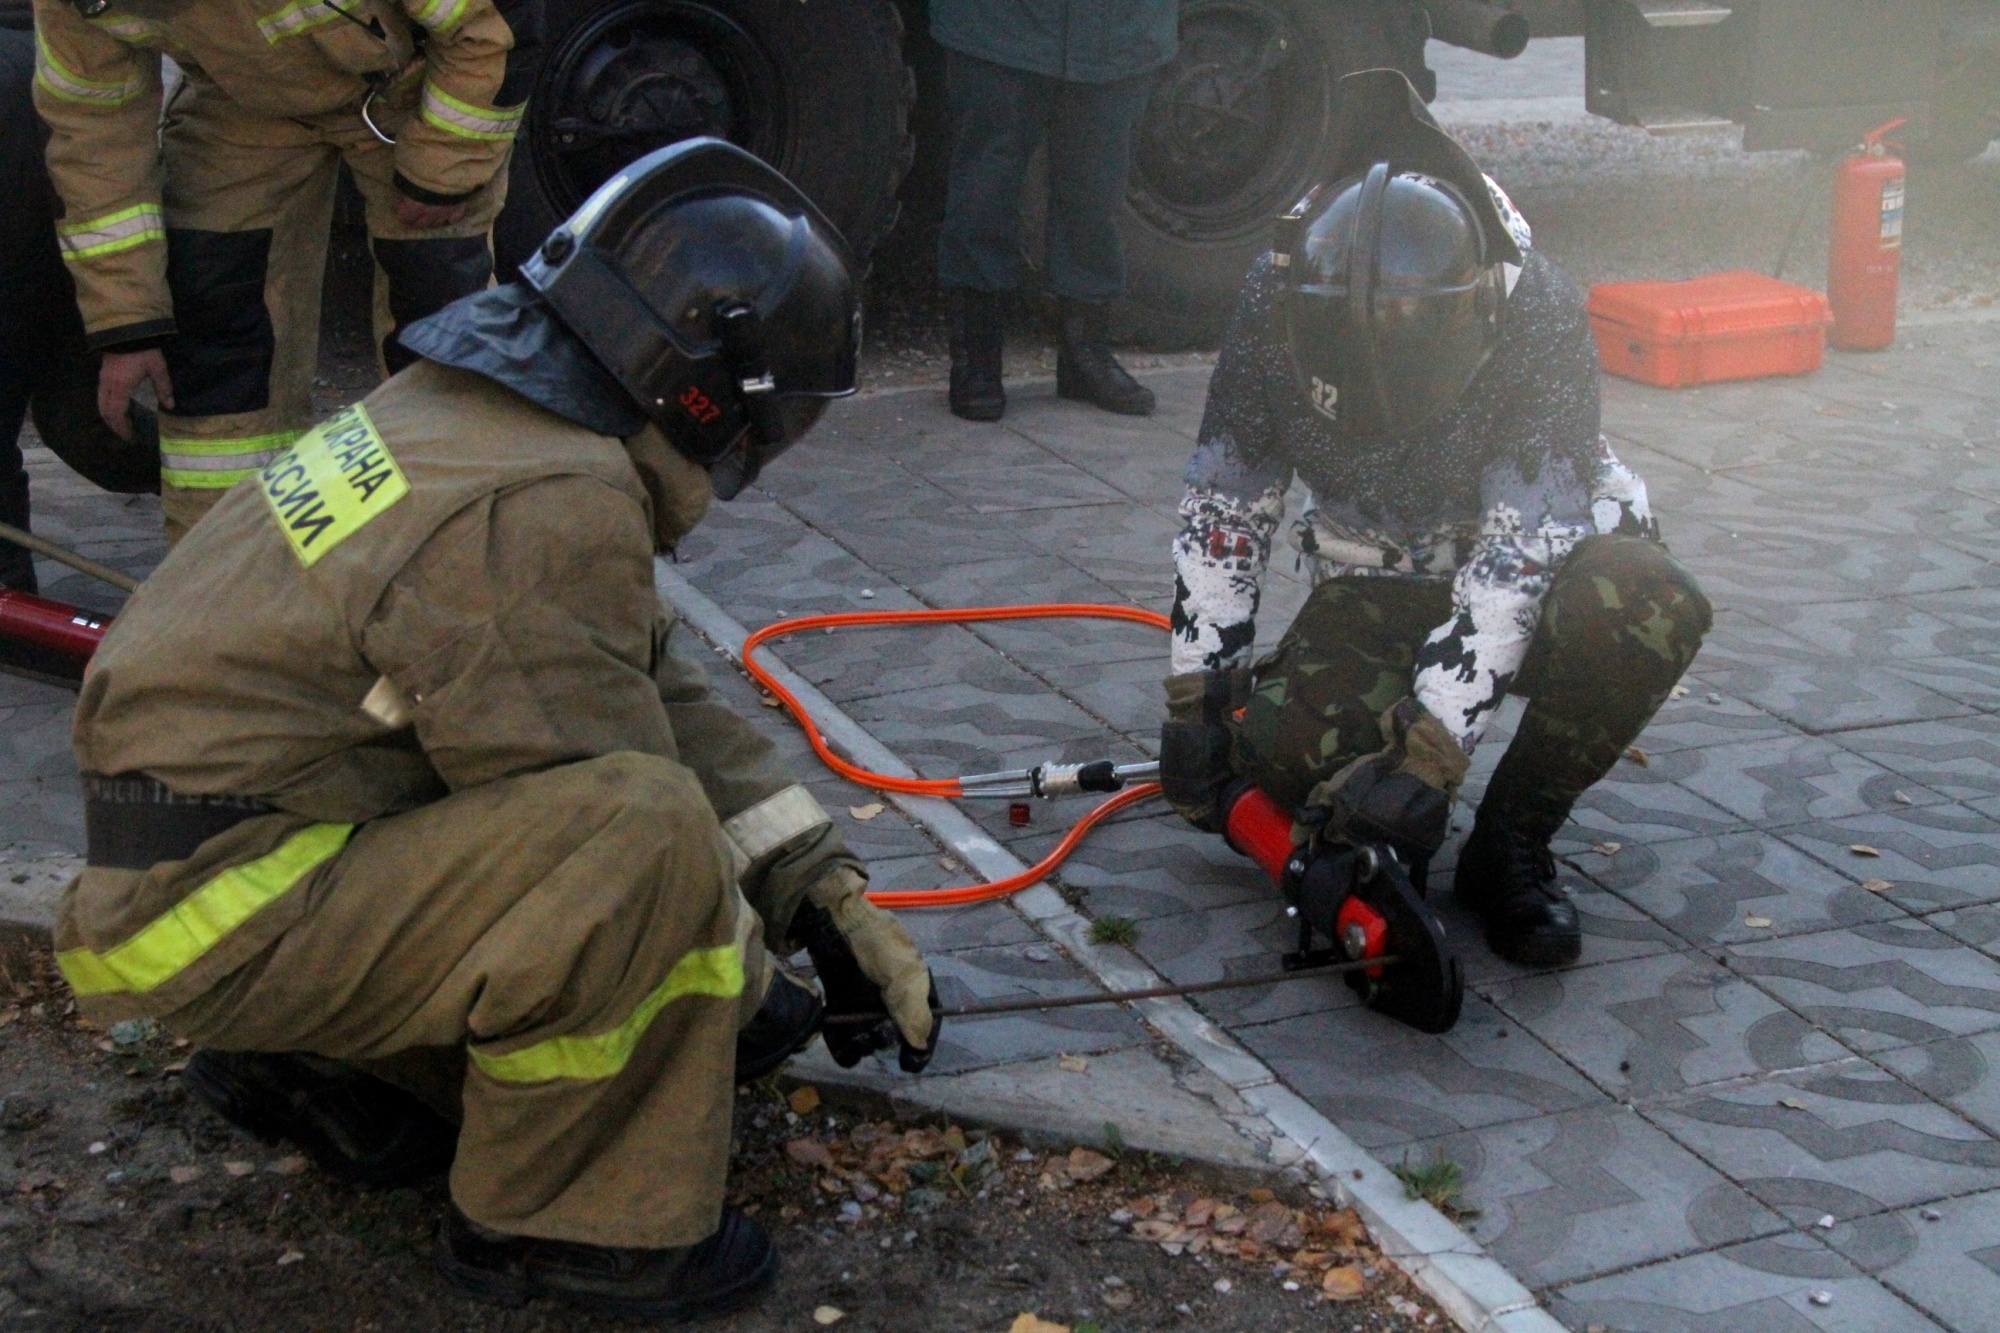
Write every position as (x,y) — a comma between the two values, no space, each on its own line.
(848,991)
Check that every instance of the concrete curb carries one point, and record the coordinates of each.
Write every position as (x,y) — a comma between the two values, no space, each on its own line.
(1472,1287)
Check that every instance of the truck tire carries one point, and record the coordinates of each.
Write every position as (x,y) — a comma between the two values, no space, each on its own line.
(1232,138)
(818,88)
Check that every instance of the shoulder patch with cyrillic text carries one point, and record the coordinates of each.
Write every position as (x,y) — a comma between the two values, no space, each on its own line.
(329,484)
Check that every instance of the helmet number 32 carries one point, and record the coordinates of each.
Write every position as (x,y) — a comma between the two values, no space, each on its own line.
(1324,396)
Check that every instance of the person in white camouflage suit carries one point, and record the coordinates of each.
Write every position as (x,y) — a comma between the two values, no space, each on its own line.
(1431,380)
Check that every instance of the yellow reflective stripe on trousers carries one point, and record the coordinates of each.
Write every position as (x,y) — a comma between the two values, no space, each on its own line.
(468,121)
(61,81)
(166,947)
(111,232)
(218,464)
(717,972)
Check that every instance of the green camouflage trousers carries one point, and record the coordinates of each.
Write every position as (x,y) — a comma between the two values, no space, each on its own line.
(1618,628)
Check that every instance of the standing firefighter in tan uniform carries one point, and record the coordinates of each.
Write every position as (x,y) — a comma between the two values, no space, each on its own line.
(396,764)
(198,241)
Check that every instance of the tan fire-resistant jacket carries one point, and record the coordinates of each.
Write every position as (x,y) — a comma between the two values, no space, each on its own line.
(97,83)
(440,587)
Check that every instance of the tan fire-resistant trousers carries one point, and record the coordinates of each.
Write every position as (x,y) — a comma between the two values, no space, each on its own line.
(232,170)
(578,934)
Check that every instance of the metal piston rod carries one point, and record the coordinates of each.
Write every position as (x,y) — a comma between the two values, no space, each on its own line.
(1050,781)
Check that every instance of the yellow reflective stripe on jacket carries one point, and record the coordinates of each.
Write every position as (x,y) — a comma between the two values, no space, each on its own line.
(295,18)
(439,15)
(166,947)
(717,971)
(61,81)
(111,232)
(468,121)
(218,464)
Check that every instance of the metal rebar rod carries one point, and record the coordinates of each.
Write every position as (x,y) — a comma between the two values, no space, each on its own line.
(62,555)
(1123,996)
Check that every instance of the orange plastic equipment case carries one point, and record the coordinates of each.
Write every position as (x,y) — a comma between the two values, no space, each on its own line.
(1724,326)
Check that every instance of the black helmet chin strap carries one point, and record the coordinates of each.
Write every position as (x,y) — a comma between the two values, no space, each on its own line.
(741,332)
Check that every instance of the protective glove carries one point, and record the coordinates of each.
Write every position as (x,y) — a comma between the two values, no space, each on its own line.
(1195,740)
(1401,794)
(867,965)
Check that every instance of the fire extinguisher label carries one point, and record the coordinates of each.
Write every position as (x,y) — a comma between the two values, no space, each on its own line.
(1892,215)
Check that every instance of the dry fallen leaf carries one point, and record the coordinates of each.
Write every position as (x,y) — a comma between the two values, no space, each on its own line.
(1680,692)
(769,701)
(865,812)
(1877,885)
(1863,849)
(1792,1103)
(1072,1064)
(1084,1164)
(1757,922)
(239,1168)
(1029,1323)
(1638,756)
(1607,848)
(288,1166)
(184,1175)
(1344,1283)
(804,1099)
(291,1257)
(809,1153)
(1904,798)
(1152,1229)
(828,1314)
(948,863)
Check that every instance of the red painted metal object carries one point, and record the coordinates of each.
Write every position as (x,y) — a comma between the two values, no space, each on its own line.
(1865,256)
(55,626)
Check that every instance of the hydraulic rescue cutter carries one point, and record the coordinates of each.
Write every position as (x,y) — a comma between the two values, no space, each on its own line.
(1352,904)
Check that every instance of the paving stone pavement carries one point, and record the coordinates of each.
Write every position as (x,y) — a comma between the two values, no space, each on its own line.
(1766,1083)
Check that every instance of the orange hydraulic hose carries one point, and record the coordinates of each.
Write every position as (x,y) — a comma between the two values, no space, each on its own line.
(947,787)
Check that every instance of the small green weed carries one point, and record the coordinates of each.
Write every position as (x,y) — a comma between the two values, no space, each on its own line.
(1114,930)
(1439,1182)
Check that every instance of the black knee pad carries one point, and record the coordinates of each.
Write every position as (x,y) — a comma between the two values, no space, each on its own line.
(425,276)
(220,357)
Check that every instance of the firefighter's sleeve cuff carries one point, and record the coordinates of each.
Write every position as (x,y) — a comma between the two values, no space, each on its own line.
(132,337)
(409,189)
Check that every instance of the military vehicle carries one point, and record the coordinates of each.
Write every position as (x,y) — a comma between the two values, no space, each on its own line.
(844,95)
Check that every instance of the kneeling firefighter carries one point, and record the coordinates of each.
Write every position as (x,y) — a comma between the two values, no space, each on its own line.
(410,805)
(1432,381)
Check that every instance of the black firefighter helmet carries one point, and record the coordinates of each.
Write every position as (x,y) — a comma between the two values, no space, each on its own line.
(716,294)
(1393,274)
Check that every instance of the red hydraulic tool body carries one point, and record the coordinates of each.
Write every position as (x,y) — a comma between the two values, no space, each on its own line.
(47,638)
(1865,254)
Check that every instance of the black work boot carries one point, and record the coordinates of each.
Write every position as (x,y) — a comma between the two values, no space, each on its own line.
(712,1277)
(1507,876)
(978,337)
(1086,370)
(353,1125)
(783,1025)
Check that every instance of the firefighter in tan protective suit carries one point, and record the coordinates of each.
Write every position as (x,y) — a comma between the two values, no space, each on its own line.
(408,803)
(198,238)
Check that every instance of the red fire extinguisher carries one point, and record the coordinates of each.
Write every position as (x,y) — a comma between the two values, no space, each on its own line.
(1865,259)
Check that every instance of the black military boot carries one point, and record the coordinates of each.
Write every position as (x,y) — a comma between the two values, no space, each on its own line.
(712,1277)
(784,1025)
(1507,876)
(1086,370)
(353,1125)
(978,337)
